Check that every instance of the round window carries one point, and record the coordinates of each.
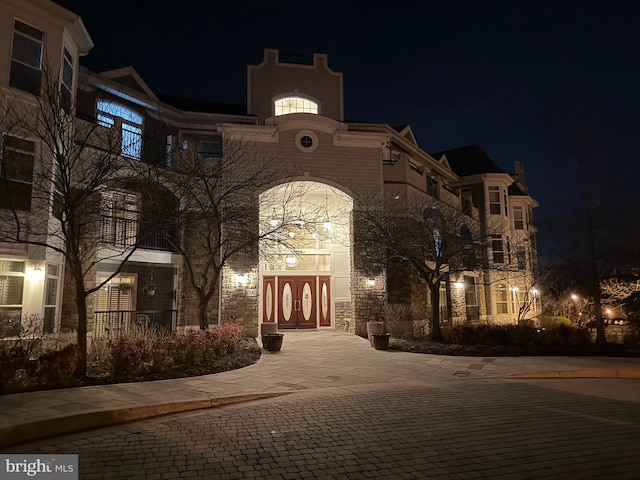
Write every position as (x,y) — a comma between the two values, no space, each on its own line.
(306,141)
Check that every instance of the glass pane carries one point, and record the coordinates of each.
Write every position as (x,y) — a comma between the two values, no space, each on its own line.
(50,291)
(27,51)
(52,270)
(25,78)
(11,266)
(15,143)
(67,74)
(65,99)
(15,195)
(49,319)
(11,290)
(28,30)
(17,166)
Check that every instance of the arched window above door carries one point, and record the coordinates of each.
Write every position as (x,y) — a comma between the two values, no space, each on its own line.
(287,105)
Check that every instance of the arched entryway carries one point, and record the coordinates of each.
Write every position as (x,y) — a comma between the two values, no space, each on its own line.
(305,270)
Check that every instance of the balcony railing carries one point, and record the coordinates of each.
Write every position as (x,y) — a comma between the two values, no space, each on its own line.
(123,232)
(122,322)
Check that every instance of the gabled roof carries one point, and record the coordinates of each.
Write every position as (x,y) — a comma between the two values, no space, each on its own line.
(406,132)
(203,106)
(469,160)
(129,78)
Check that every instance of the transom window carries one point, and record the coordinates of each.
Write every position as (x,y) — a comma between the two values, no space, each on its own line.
(26,58)
(285,106)
(111,114)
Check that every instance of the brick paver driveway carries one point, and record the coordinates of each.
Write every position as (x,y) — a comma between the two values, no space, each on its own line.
(462,428)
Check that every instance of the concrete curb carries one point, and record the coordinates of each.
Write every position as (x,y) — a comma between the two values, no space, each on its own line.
(26,432)
(628,373)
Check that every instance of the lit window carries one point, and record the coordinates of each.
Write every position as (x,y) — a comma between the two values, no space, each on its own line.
(110,113)
(11,290)
(67,81)
(50,298)
(288,105)
(494,201)
(26,58)
(502,298)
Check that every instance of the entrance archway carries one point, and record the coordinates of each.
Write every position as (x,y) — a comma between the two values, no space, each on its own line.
(305,254)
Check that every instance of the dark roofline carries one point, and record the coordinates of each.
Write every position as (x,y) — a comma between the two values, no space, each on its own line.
(203,106)
(469,160)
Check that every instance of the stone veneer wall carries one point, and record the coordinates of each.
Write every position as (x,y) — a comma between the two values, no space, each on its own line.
(344,317)
(368,262)
(187,302)
(240,303)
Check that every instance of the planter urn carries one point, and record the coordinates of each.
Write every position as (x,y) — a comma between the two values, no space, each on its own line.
(272,342)
(380,341)
(374,327)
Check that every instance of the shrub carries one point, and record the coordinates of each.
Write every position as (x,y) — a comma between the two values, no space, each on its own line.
(224,338)
(57,367)
(552,323)
(127,356)
(397,320)
(524,336)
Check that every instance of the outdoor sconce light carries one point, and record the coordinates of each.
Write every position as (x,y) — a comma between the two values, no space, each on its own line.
(36,272)
(371,282)
(459,285)
(241,279)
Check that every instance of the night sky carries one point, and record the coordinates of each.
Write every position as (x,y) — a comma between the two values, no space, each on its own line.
(515,77)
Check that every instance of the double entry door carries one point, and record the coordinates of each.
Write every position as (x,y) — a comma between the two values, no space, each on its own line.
(297,301)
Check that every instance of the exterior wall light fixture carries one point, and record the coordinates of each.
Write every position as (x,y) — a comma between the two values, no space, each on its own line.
(371,282)
(241,279)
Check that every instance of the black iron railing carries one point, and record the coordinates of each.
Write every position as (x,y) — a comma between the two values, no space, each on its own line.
(123,322)
(124,232)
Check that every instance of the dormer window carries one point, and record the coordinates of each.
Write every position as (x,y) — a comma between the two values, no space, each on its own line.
(113,114)
(287,105)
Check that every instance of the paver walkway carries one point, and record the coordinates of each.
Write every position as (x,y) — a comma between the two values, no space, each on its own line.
(308,360)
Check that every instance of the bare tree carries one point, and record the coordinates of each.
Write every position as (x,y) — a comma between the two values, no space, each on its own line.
(428,236)
(220,194)
(617,289)
(55,168)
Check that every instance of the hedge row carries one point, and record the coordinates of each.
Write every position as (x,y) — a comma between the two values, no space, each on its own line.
(523,336)
(195,348)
